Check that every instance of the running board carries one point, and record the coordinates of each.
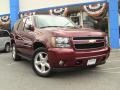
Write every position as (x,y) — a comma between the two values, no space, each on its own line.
(25,57)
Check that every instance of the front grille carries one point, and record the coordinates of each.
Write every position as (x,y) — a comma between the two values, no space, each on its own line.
(86,38)
(89,45)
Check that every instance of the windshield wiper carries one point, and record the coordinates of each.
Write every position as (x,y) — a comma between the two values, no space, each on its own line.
(50,26)
(59,26)
(69,26)
(66,24)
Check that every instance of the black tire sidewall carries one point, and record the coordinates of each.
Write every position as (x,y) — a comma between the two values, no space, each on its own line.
(6,46)
(17,58)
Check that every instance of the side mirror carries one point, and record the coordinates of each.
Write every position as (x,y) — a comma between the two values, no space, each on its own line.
(29,27)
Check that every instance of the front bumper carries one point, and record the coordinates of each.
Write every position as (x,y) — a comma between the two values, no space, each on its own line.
(68,57)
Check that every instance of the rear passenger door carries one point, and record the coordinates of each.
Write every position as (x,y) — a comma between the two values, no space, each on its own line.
(1,41)
(19,40)
(4,38)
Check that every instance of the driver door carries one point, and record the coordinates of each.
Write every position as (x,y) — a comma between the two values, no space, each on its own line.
(28,37)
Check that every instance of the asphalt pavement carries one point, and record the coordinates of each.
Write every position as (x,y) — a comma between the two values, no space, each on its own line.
(20,76)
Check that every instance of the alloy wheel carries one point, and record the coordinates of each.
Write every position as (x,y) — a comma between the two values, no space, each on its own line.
(41,62)
(7,48)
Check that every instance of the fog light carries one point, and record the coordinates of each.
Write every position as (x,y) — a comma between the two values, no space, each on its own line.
(61,63)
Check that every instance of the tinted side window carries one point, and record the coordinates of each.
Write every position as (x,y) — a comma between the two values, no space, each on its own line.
(4,34)
(21,25)
(27,23)
(0,33)
(16,25)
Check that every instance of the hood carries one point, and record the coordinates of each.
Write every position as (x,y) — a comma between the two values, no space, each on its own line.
(68,32)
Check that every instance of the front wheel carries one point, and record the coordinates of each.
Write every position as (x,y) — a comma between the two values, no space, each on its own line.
(41,65)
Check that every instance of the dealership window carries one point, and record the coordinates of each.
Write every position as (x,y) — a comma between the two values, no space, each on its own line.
(82,18)
(90,16)
(87,20)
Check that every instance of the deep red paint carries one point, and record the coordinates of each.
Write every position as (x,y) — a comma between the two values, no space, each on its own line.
(25,40)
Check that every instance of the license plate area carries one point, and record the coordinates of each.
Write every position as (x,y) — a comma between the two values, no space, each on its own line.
(91,62)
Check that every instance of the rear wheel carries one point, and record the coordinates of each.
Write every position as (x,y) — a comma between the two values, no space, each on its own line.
(15,55)
(41,65)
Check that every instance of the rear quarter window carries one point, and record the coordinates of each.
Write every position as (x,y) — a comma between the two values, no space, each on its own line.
(0,33)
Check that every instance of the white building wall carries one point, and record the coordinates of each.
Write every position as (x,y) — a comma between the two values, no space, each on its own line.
(4,7)
(39,4)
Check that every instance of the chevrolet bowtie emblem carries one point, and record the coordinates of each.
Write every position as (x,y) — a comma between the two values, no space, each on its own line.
(92,41)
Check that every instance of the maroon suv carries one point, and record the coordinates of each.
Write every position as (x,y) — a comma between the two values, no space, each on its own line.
(52,42)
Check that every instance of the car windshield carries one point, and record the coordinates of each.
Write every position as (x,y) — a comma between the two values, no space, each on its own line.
(44,21)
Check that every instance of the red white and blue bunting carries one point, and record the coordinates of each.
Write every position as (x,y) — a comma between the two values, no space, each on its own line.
(58,11)
(95,10)
(5,20)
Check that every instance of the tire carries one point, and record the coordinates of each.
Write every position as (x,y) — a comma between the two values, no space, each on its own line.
(40,63)
(7,48)
(15,55)
(93,66)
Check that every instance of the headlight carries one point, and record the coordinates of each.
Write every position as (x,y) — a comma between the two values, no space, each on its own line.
(61,42)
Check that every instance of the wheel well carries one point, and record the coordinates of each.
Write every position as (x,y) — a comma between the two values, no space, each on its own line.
(8,43)
(37,45)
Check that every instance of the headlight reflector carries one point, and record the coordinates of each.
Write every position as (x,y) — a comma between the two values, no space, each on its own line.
(62,42)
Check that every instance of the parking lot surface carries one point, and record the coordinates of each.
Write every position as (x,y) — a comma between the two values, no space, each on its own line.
(20,76)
